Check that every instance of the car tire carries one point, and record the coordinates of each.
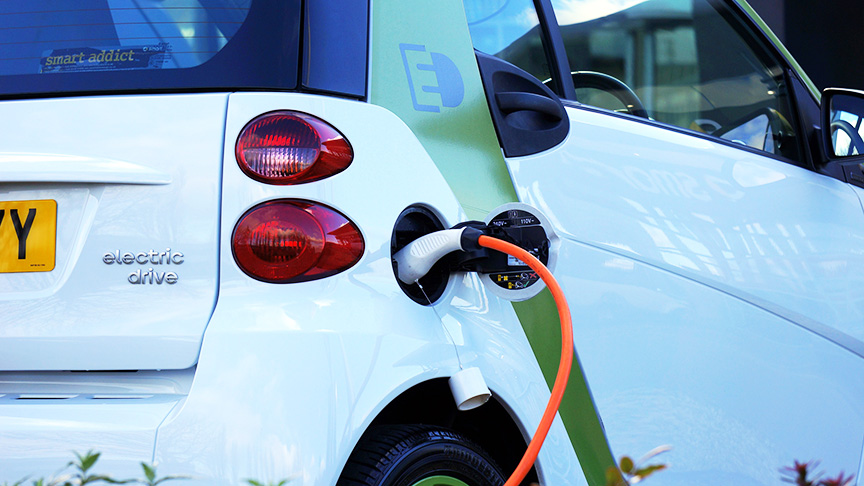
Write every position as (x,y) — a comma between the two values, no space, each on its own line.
(417,455)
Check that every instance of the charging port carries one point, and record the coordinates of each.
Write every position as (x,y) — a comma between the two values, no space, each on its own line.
(422,251)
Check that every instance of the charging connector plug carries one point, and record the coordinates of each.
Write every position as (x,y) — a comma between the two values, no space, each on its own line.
(431,258)
(416,258)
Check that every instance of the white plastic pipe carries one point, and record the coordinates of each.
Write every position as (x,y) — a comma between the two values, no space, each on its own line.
(469,389)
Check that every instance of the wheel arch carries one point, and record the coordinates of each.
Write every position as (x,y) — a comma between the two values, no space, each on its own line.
(491,426)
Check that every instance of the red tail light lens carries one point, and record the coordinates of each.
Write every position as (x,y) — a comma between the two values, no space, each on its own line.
(287,147)
(289,240)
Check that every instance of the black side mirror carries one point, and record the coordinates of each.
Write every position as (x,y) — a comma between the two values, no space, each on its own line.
(843,134)
(842,122)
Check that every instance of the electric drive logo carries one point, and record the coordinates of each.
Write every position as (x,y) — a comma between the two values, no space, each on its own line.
(433,79)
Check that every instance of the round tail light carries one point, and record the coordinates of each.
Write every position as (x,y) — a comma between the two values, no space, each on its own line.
(288,147)
(290,240)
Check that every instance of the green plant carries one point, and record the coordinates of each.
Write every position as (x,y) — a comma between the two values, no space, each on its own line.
(82,465)
(253,482)
(799,475)
(81,476)
(630,472)
(150,477)
(20,482)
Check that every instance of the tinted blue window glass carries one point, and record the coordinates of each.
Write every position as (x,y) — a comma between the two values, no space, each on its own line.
(510,30)
(98,45)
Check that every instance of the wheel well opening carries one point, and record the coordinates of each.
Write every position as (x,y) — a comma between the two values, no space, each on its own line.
(490,426)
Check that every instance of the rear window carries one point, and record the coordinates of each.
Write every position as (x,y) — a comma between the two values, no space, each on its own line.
(48,46)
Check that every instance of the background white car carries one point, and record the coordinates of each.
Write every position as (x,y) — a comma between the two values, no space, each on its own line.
(200,201)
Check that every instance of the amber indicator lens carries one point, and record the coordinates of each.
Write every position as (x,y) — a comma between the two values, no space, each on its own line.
(288,147)
(290,240)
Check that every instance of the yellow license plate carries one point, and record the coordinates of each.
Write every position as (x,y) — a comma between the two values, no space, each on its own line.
(28,235)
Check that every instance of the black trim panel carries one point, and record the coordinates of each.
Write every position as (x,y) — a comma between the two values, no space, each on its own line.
(335,46)
(528,117)
(559,66)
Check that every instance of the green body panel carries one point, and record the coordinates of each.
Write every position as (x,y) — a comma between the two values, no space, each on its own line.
(539,318)
(462,142)
(785,52)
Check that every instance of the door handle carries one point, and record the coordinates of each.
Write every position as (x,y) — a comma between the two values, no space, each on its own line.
(511,101)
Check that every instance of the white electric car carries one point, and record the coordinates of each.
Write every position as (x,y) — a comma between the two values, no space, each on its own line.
(200,201)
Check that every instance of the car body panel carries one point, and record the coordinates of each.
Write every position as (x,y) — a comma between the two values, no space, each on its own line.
(753,226)
(735,391)
(359,344)
(698,273)
(290,376)
(144,182)
(39,438)
(45,415)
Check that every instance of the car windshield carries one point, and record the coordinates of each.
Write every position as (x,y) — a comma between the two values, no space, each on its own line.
(110,45)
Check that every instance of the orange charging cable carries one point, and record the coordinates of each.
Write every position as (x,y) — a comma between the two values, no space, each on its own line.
(566,353)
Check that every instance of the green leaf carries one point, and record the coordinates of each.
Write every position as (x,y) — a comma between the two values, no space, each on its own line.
(87,461)
(613,477)
(149,472)
(649,470)
(254,483)
(17,483)
(626,465)
(105,479)
(170,478)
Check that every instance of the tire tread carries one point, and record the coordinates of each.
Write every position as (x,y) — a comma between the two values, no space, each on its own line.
(382,445)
